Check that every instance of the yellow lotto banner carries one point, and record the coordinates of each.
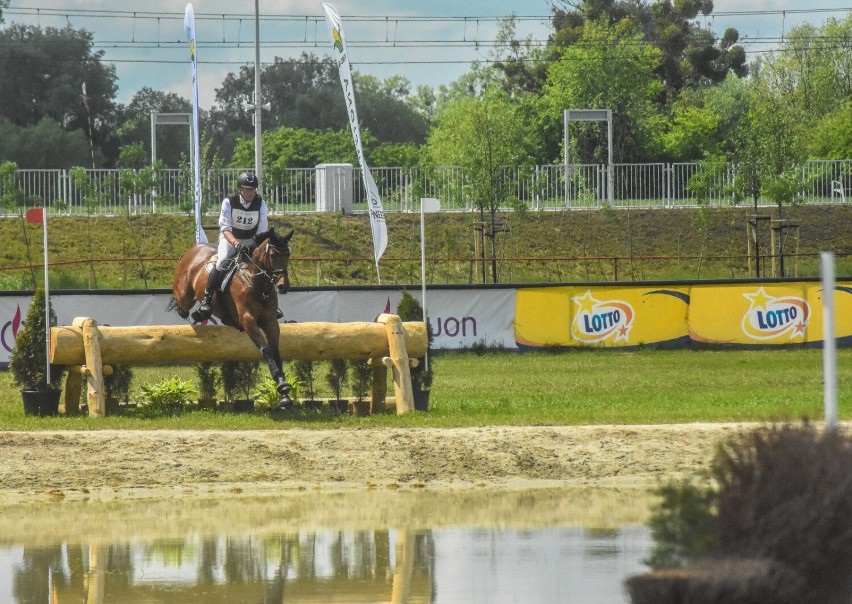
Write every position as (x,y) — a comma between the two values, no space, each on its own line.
(767,314)
(605,316)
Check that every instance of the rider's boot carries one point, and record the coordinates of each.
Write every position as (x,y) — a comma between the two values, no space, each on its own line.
(214,280)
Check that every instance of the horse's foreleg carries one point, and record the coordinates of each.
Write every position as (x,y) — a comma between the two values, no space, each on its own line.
(267,342)
(275,369)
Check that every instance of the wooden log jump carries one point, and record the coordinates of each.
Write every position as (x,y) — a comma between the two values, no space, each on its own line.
(88,349)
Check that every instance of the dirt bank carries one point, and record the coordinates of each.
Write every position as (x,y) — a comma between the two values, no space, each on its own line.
(117,464)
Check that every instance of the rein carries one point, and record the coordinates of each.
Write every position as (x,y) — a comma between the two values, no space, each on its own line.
(268,277)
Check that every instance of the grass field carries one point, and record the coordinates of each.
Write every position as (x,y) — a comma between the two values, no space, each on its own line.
(140,251)
(568,388)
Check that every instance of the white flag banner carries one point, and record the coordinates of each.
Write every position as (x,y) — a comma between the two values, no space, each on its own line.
(377,214)
(189,26)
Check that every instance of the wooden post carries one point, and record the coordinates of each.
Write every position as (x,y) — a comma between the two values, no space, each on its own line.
(380,386)
(73,385)
(401,588)
(399,358)
(95,366)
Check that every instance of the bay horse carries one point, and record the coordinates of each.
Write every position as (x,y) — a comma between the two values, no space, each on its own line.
(249,301)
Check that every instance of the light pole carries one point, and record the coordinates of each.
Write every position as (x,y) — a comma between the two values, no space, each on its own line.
(256,104)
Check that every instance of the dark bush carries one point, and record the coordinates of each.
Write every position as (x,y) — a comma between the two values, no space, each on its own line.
(780,496)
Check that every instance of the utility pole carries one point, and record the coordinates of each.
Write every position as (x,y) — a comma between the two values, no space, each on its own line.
(256,104)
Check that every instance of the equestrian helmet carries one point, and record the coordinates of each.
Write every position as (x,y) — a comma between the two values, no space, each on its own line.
(248,180)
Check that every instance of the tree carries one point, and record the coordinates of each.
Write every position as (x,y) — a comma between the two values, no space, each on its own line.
(384,109)
(689,56)
(42,71)
(44,145)
(135,119)
(705,121)
(608,68)
(305,93)
(482,135)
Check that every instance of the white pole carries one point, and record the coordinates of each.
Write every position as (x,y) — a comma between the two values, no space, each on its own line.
(258,110)
(427,204)
(423,279)
(46,301)
(829,347)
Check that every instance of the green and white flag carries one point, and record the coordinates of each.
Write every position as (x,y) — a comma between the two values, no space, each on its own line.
(189,25)
(377,214)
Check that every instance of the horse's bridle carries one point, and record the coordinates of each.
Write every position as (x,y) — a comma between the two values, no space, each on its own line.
(268,278)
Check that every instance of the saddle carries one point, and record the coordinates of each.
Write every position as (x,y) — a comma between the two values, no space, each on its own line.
(230,271)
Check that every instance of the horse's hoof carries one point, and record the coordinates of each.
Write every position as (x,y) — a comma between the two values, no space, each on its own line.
(199,317)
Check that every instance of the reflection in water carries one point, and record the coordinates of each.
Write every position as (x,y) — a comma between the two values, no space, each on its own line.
(414,564)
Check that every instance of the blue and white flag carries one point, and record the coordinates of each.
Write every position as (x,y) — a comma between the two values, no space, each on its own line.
(377,214)
(189,25)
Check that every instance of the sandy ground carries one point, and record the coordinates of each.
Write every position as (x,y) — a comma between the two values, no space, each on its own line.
(113,465)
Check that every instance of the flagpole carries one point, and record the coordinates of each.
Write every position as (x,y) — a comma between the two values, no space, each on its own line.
(46,300)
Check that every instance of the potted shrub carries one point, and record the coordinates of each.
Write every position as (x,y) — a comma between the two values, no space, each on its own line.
(239,378)
(168,397)
(304,370)
(117,387)
(409,309)
(28,362)
(207,377)
(337,379)
(362,375)
(267,397)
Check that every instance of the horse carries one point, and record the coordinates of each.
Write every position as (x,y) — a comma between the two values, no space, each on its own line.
(248,300)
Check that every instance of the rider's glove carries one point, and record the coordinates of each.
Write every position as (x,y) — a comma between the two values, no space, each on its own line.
(246,246)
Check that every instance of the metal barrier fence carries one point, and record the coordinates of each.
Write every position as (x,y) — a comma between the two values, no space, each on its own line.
(296,189)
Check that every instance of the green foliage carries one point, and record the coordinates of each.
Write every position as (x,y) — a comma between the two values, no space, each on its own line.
(706,182)
(831,136)
(168,396)
(239,377)
(482,135)
(304,370)
(28,359)
(117,384)
(208,378)
(11,196)
(266,396)
(409,309)
(44,144)
(682,524)
(337,376)
(610,68)
(299,148)
(362,377)
(778,493)
(45,68)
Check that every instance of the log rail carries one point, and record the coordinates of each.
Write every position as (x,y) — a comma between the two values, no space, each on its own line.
(89,350)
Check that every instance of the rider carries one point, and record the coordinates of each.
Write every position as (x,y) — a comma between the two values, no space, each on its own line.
(242,218)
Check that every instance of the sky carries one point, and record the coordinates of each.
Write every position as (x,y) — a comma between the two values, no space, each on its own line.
(429,42)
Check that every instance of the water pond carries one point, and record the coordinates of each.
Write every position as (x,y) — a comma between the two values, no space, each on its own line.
(400,546)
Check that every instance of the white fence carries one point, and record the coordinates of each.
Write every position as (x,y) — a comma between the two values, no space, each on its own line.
(294,190)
